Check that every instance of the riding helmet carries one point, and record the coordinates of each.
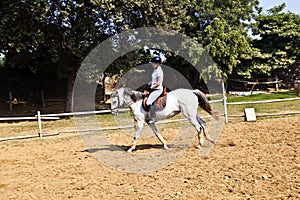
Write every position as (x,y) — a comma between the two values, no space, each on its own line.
(156,59)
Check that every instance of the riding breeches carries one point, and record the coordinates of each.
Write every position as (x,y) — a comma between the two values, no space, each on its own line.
(153,96)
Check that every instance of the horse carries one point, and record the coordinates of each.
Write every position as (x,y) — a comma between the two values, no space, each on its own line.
(184,101)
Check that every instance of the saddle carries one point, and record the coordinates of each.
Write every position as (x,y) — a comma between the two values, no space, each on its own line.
(159,103)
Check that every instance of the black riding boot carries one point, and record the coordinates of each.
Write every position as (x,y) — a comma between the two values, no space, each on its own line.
(152,114)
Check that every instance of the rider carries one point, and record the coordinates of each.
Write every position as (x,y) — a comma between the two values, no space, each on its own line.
(155,86)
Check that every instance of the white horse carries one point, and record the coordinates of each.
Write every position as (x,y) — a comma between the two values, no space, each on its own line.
(180,100)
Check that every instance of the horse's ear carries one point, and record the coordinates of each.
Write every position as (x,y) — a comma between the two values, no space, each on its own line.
(133,97)
(114,93)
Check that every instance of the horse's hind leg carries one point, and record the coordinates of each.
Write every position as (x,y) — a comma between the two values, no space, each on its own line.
(203,133)
(198,127)
(201,130)
(158,135)
(191,114)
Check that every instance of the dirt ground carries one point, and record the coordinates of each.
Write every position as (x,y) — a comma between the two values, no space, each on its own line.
(251,160)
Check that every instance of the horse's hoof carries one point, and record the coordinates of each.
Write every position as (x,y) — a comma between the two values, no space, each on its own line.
(129,151)
(166,148)
(198,146)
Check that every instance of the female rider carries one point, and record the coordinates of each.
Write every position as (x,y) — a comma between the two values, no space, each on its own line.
(156,86)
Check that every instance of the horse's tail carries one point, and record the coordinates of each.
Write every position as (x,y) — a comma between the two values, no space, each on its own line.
(204,103)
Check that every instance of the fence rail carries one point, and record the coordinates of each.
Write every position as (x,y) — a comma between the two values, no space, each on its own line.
(39,117)
(26,118)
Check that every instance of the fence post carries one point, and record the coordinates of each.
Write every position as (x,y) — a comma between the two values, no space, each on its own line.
(39,123)
(297,87)
(224,102)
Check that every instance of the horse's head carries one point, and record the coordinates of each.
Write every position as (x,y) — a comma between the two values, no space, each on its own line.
(116,99)
(123,96)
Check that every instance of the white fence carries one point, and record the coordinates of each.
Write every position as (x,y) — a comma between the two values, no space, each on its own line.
(40,117)
(262,102)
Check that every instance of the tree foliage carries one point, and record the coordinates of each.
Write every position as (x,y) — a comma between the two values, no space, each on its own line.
(54,33)
(66,30)
(221,27)
(276,43)
(50,36)
(21,34)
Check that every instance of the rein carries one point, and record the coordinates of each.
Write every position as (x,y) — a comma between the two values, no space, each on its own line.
(128,104)
(132,96)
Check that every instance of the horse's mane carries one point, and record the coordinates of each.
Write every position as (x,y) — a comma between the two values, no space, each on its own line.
(134,95)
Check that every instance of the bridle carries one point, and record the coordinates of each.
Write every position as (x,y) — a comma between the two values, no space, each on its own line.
(132,98)
(127,101)
(115,110)
(128,104)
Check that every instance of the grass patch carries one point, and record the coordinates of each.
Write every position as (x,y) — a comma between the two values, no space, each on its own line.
(262,96)
(277,107)
(266,108)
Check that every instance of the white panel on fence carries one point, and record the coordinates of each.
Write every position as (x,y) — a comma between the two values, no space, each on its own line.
(250,115)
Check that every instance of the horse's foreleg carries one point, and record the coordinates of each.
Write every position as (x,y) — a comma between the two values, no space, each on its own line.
(138,131)
(133,145)
(158,135)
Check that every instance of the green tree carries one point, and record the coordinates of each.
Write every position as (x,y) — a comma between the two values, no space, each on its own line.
(226,44)
(137,13)
(221,26)
(76,27)
(130,14)
(277,39)
(21,34)
(57,35)
(52,35)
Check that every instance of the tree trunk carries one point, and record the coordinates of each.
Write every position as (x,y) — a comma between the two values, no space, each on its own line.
(70,94)
(297,87)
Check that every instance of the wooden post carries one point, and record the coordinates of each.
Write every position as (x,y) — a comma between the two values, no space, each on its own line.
(224,102)
(298,87)
(276,84)
(10,100)
(39,123)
